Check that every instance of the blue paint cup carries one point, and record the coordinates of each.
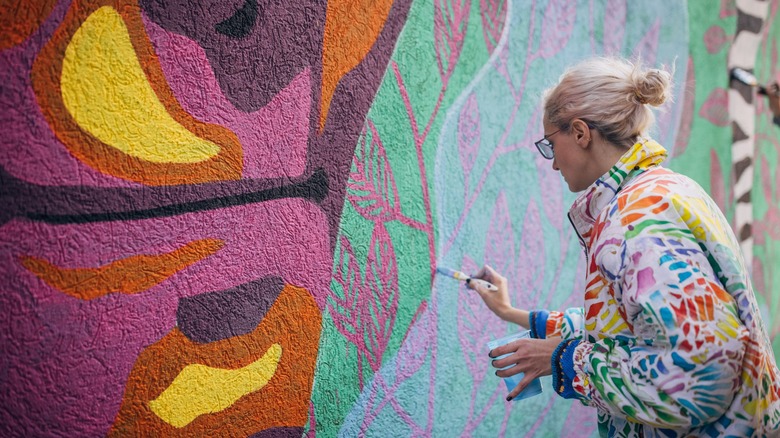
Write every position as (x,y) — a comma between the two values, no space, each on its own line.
(535,387)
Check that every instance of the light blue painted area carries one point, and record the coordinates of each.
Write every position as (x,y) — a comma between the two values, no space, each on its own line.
(499,202)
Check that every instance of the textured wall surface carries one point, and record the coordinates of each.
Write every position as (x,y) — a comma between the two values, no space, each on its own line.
(223,217)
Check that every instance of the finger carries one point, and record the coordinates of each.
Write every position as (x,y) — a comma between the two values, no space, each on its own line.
(478,286)
(503,349)
(481,273)
(511,370)
(519,388)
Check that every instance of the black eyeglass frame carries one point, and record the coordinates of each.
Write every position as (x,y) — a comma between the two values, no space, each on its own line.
(545,146)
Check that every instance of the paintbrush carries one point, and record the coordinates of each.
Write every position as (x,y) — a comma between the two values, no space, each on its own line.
(463,277)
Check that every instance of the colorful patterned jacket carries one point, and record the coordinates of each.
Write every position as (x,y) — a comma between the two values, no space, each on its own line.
(670,341)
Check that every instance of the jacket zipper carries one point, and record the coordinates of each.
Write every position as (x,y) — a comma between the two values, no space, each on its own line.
(577,232)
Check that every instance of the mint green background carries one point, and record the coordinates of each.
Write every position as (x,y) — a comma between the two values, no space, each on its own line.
(520,182)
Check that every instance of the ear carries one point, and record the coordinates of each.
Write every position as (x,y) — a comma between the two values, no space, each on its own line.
(581,132)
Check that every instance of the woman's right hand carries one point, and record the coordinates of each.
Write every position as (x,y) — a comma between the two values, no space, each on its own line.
(498,301)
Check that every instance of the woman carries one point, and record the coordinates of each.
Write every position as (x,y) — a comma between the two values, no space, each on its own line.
(670,341)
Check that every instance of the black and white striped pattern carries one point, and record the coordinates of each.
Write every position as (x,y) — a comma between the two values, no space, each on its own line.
(751,15)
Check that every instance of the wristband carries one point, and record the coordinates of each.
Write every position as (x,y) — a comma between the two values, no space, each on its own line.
(538,323)
(562,365)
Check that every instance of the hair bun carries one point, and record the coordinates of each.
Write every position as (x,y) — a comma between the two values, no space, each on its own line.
(652,87)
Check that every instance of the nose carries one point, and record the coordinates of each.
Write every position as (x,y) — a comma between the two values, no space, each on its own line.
(555,164)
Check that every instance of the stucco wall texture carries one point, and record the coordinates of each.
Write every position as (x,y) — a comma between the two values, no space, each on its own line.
(222,218)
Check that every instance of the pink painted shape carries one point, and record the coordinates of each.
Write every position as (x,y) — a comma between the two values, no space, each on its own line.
(715,108)
(73,357)
(614,26)
(715,38)
(468,136)
(274,138)
(380,305)
(557,27)
(371,188)
(500,242)
(477,325)
(450,22)
(647,47)
(688,93)
(531,260)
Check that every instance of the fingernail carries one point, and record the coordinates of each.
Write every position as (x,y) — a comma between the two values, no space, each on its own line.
(508,398)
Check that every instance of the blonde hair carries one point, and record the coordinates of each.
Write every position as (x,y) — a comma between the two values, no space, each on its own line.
(612,95)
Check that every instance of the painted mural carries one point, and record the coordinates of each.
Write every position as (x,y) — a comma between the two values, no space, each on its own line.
(223,218)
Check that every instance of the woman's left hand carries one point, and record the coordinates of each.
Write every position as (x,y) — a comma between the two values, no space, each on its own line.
(529,356)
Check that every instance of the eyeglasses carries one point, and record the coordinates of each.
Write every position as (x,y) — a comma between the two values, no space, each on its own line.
(545,146)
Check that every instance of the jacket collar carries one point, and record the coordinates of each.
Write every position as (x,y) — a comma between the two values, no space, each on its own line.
(586,208)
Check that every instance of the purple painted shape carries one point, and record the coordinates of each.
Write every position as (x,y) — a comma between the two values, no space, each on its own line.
(215,316)
(285,40)
(644,280)
(66,361)
(279,432)
(29,150)
(273,138)
(614,26)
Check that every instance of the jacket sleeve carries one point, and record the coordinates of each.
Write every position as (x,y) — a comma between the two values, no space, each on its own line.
(683,364)
(546,324)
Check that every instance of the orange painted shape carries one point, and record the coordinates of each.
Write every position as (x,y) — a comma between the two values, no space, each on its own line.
(294,322)
(130,275)
(351,29)
(46,74)
(20,18)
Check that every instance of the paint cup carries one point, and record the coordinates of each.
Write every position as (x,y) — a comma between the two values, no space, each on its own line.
(535,387)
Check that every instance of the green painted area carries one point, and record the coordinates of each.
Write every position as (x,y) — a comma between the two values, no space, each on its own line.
(499,183)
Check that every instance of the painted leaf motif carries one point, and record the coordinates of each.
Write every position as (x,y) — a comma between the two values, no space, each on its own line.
(715,108)
(450,20)
(381,302)
(476,326)
(531,260)
(614,26)
(346,289)
(493,14)
(371,188)
(557,27)
(500,243)
(468,135)
(647,48)
(715,38)
(688,109)
(417,343)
